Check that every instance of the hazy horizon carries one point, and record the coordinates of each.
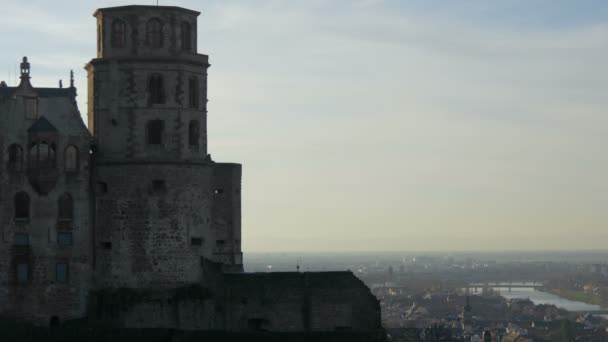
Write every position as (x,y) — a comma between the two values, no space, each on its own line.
(379,125)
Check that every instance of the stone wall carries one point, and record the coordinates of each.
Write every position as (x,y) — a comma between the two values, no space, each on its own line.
(276,302)
(315,301)
(152,224)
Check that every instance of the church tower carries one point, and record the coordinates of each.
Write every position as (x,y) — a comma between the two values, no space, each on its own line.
(162,207)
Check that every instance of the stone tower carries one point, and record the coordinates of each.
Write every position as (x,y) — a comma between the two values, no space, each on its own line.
(163,207)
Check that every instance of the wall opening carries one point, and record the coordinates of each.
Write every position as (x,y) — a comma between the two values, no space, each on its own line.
(101,188)
(119,34)
(186,36)
(158,187)
(54,322)
(22,206)
(15,157)
(155,132)
(154,33)
(23,273)
(61,272)
(21,239)
(156,89)
(65,239)
(193,94)
(71,158)
(258,324)
(66,207)
(193,133)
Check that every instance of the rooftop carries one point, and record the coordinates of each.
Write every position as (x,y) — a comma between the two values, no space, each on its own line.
(142,7)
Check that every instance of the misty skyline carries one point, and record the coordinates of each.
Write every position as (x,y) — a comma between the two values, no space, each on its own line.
(375,125)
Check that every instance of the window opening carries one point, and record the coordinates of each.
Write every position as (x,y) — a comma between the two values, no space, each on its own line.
(66,207)
(193,133)
(154,37)
(22,239)
(71,158)
(65,239)
(23,273)
(22,206)
(186,36)
(156,89)
(119,33)
(61,272)
(155,132)
(15,157)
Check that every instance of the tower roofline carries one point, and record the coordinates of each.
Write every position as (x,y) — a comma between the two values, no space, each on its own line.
(129,7)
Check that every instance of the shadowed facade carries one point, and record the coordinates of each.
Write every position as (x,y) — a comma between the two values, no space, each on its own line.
(131,223)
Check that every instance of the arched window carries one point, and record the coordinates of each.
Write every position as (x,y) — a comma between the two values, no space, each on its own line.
(15,157)
(193,133)
(119,33)
(42,154)
(66,207)
(186,36)
(71,158)
(156,89)
(193,92)
(22,206)
(155,132)
(154,33)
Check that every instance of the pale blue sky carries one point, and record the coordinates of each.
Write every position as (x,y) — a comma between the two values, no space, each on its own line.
(386,124)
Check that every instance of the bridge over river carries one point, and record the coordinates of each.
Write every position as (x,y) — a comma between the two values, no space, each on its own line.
(534,292)
(509,285)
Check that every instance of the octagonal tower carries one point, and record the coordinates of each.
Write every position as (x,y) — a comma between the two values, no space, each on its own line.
(162,206)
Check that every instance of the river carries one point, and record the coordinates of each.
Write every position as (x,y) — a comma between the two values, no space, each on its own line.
(540,297)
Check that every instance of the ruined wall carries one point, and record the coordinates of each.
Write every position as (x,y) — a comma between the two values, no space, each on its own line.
(226,216)
(34,241)
(152,223)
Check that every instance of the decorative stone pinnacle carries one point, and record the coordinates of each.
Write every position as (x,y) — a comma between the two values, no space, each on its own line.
(25,69)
